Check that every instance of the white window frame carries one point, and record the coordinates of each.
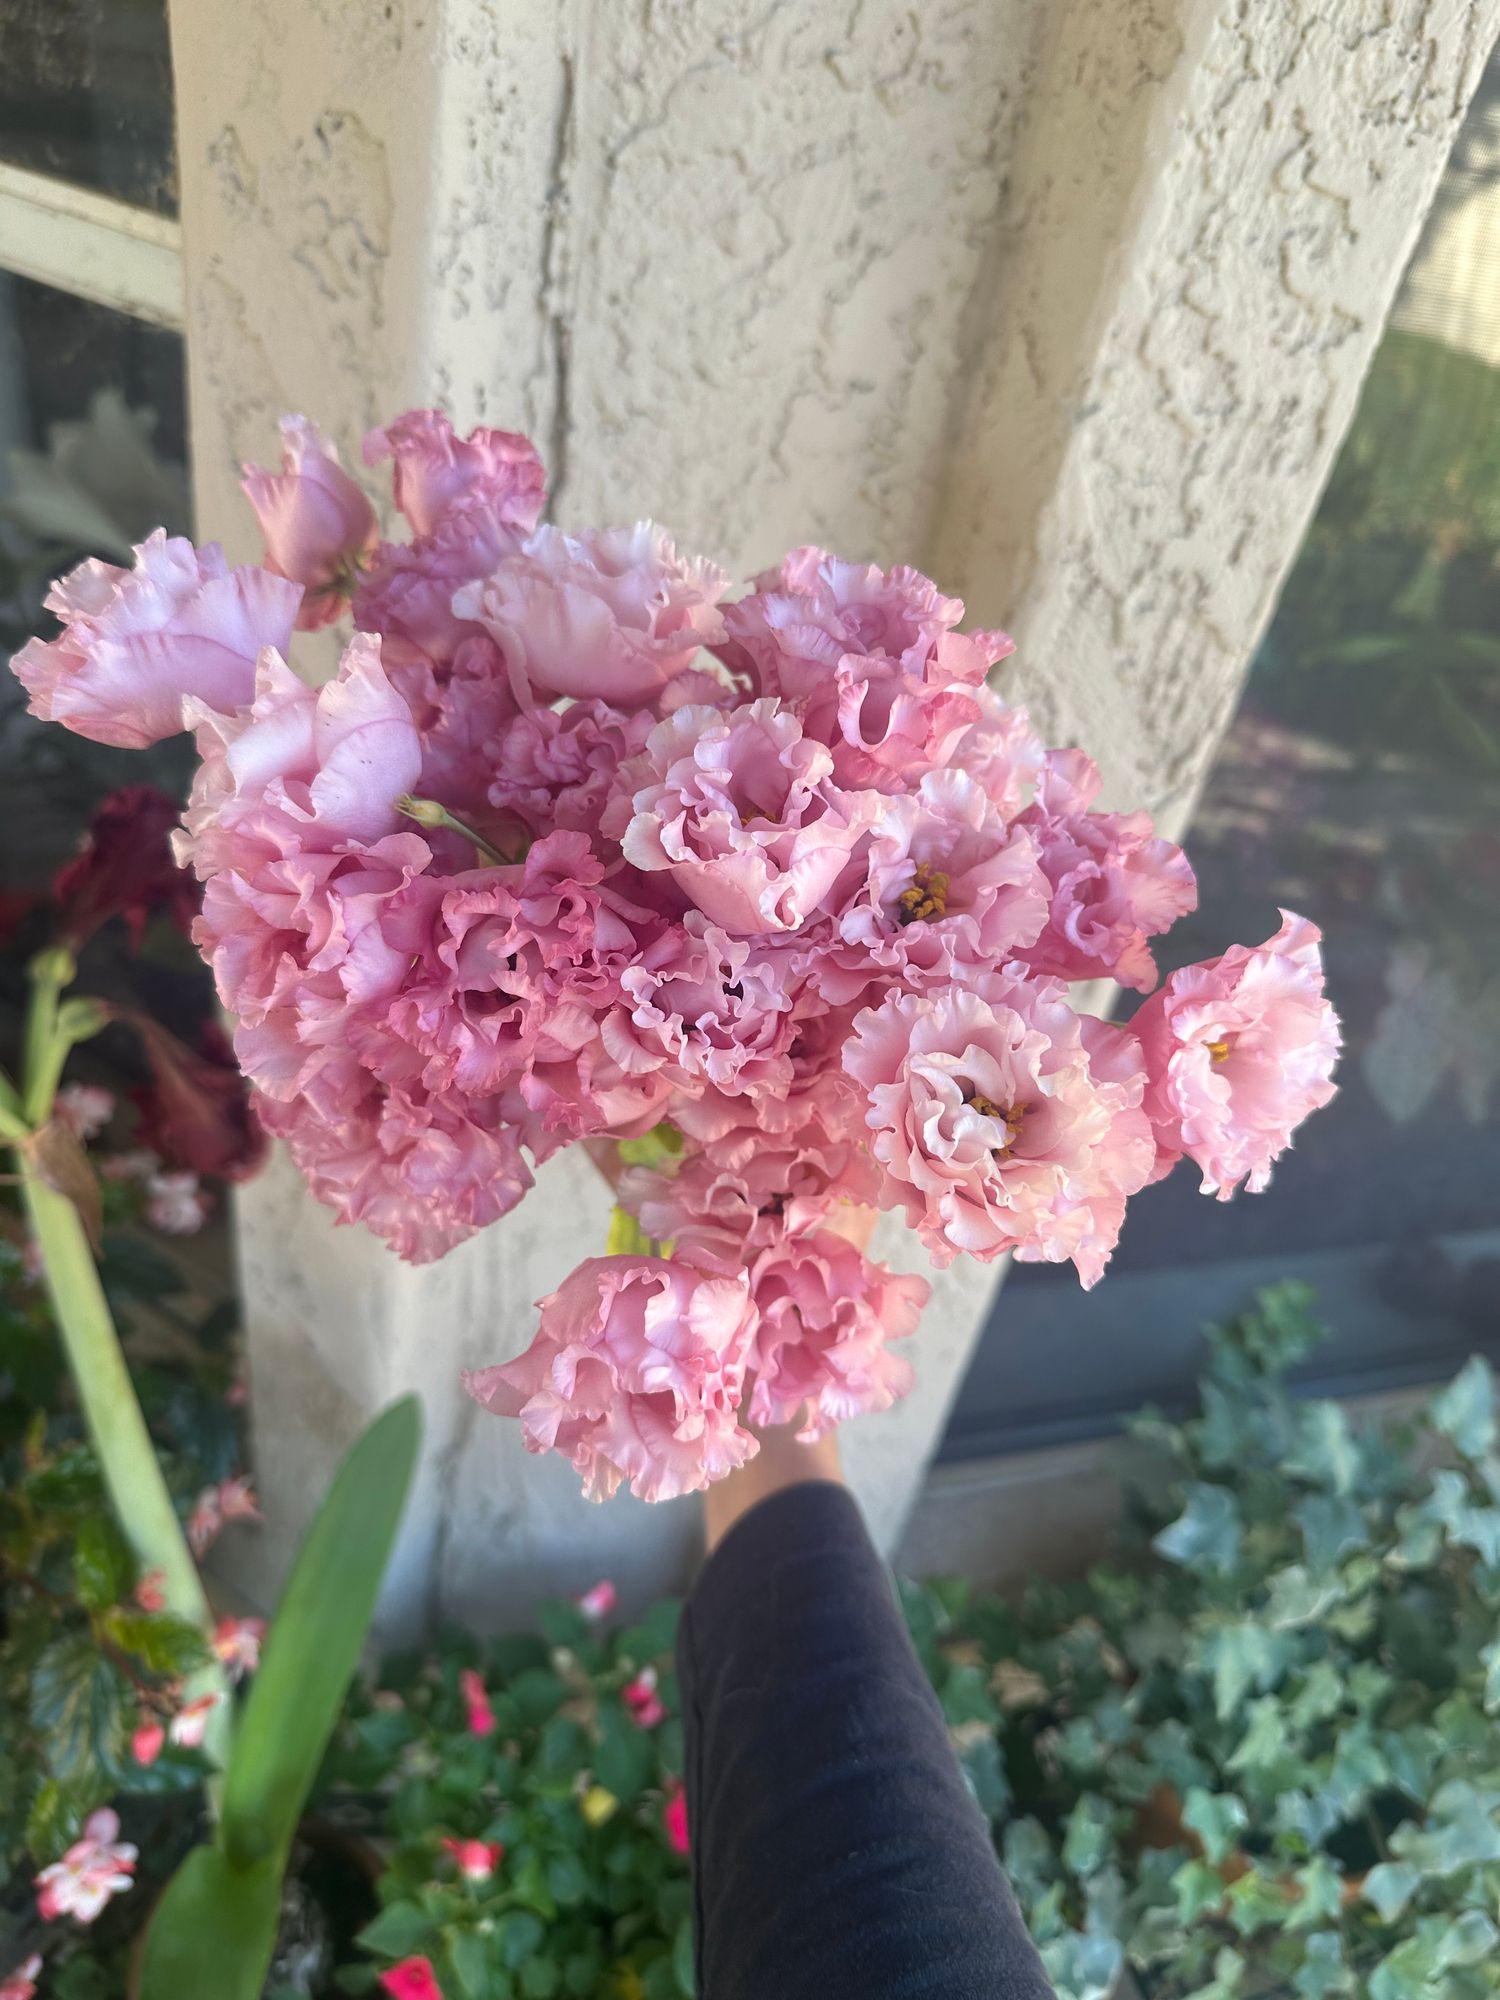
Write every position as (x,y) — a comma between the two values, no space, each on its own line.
(91,246)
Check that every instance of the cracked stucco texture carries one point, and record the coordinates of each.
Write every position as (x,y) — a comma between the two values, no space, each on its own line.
(1068,300)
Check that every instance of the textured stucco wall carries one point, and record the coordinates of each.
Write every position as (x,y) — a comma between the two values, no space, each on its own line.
(1068,301)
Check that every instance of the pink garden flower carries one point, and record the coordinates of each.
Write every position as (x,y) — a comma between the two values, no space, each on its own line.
(635,1374)
(598,1602)
(95,1868)
(437,475)
(478,1713)
(85,1108)
(215,1508)
(149,1592)
(556,767)
(739,808)
(475,1860)
(610,615)
(827,1315)
(705,1008)
(147,1739)
(1004,1121)
(412,1979)
(237,1643)
(642,1701)
(189,1725)
(176,1204)
(318,525)
(1238,1051)
(674,1818)
(20,1982)
(1003,752)
(181,624)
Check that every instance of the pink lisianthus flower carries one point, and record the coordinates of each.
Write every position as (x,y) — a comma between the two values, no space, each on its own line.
(138,642)
(1113,883)
(318,525)
(1003,753)
(1004,1121)
(705,1008)
(674,1818)
(436,474)
(85,1108)
(1238,1051)
(237,1642)
(189,1725)
(635,1374)
(412,1979)
(642,1701)
(20,1982)
(870,660)
(827,1316)
(739,808)
(478,1715)
(475,1860)
(556,767)
(612,614)
(176,1204)
(147,1739)
(95,1868)
(599,1601)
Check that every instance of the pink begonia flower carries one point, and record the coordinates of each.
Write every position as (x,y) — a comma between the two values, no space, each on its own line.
(85,1108)
(635,1374)
(150,1593)
(556,767)
(674,1818)
(94,1869)
(318,525)
(215,1507)
(642,1700)
(147,1740)
(703,1007)
(479,1715)
(740,809)
(237,1642)
(611,614)
(20,1982)
(436,474)
(412,1979)
(1004,1121)
(870,660)
(181,624)
(189,1725)
(597,1603)
(176,1204)
(1113,883)
(827,1315)
(1238,1051)
(476,1860)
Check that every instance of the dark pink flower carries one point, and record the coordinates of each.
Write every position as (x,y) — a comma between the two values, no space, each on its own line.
(598,1602)
(635,1374)
(125,868)
(478,1713)
(20,1982)
(642,1700)
(476,1860)
(147,1739)
(610,615)
(149,1592)
(138,642)
(318,525)
(1238,1051)
(412,1979)
(556,767)
(1004,1121)
(436,474)
(195,1114)
(674,1819)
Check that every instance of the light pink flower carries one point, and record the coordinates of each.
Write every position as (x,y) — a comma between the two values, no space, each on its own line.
(674,1818)
(870,660)
(318,525)
(412,1979)
(478,1713)
(1003,752)
(85,1108)
(827,1315)
(1004,1121)
(705,1008)
(137,642)
(94,1869)
(147,1739)
(216,1507)
(476,1860)
(556,767)
(406,595)
(611,614)
(1238,1051)
(189,1725)
(176,1204)
(437,474)
(150,1594)
(740,809)
(642,1700)
(599,1601)
(20,1982)
(1113,883)
(635,1374)
(237,1642)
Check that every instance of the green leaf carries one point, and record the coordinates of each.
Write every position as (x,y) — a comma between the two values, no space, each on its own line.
(316,1638)
(56,1817)
(541,1977)
(656,1148)
(469,1957)
(537,1693)
(1242,1656)
(162,1642)
(1206,1535)
(1465,1410)
(398,1931)
(984,1767)
(1323,1970)
(626,1238)
(1489,1659)
(1326,1450)
(1198,1889)
(625,1758)
(1332,1525)
(517,1935)
(682,1958)
(1469,1940)
(214,1930)
(80,1707)
(1088,1839)
(567,1880)
(103,1569)
(1217,1818)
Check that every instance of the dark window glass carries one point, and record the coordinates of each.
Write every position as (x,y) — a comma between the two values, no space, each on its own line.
(86,95)
(1359,784)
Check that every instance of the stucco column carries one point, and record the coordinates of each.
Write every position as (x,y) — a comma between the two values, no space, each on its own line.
(1070,303)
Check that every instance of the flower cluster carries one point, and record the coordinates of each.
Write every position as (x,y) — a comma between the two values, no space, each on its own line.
(574,847)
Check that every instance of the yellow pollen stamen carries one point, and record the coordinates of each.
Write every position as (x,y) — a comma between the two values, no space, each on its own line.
(1011,1120)
(1218,1050)
(927,898)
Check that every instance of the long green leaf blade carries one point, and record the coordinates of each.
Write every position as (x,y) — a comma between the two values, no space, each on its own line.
(214,1930)
(315,1640)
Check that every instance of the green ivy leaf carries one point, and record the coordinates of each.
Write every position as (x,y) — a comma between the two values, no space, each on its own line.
(1323,1969)
(1320,1895)
(1470,1939)
(1296,1600)
(1465,1410)
(1326,1450)
(1489,1659)
(1206,1534)
(1088,1837)
(1241,1656)
(103,1569)
(1332,1525)
(984,1767)
(1199,1890)
(1390,1886)
(1218,1819)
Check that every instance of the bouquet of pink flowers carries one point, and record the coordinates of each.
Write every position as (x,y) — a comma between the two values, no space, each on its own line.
(777,891)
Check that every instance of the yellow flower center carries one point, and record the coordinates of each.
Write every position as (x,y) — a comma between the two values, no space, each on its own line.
(927,898)
(1011,1121)
(1218,1050)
